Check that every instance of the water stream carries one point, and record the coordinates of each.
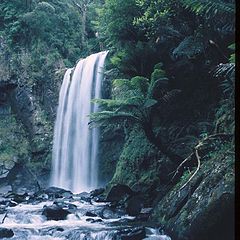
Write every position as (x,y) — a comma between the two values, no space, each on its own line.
(28,223)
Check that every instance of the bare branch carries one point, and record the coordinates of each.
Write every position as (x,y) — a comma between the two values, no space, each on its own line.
(198,167)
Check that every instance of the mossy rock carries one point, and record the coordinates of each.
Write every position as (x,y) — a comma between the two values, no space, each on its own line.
(197,211)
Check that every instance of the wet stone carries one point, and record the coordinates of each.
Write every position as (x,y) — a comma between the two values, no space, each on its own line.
(6,233)
(90,214)
(55,212)
(133,234)
(97,192)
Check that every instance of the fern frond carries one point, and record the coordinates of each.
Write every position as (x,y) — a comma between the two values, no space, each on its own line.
(170,96)
(111,117)
(224,70)
(156,86)
(210,8)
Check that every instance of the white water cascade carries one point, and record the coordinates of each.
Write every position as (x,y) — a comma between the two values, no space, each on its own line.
(75,146)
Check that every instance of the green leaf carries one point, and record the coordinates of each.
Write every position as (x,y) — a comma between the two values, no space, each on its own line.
(149,103)
(232,47)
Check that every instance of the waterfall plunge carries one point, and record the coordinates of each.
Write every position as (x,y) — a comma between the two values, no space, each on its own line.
(74,164)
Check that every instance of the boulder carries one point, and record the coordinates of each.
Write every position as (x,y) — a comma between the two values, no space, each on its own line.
(134,205)
(111,213)
(144,214)
(55,212)
(97,192)
(133,234)
(84,196)
(91,220)
(204,208)
(55,192)
(6,233)
(18,198)
(118,192)
(90,214)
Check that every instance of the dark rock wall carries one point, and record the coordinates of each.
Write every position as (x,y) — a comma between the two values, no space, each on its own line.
(204,208)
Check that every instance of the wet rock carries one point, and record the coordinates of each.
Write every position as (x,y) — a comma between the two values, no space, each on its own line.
(6,233)
(20,198)
(90,214)
(59,229)
(91,220)
(55,192)
(84,196)
(144,214)
(204,209)
(7,203)
(71,207)
(118,192)
(97,192)
(41,197)
(133,234)
(2,210)
(108,213)
(99,199)
(134,205)
(55,212)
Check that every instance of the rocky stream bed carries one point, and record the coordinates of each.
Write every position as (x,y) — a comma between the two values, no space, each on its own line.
(58,214)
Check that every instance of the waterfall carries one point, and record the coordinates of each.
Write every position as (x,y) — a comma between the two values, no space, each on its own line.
(75,146)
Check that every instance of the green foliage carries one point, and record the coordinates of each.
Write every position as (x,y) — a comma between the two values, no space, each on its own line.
(40,39)
(155,15)
(132,101)
(232,58)
(116,19)
(130,51)
(210,8)
(135,103)
(225,113)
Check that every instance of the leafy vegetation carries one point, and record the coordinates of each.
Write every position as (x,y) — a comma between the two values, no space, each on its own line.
(163,109)
(136,102)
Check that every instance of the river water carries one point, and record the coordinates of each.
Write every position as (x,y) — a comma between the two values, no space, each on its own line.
(28,223)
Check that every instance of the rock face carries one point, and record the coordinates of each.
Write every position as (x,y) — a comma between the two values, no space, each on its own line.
(26,122)
(204,209)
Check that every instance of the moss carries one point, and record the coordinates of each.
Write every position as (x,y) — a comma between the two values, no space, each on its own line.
(43,133)
(192,211)
(136,163)
(14,144)
(109,151)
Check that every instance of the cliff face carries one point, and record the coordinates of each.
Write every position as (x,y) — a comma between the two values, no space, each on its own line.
(27,131)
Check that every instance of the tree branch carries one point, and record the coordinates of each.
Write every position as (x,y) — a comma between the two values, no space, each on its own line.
(198,167)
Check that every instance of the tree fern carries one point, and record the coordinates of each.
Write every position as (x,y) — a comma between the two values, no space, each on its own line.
(210,8)
(134,102)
